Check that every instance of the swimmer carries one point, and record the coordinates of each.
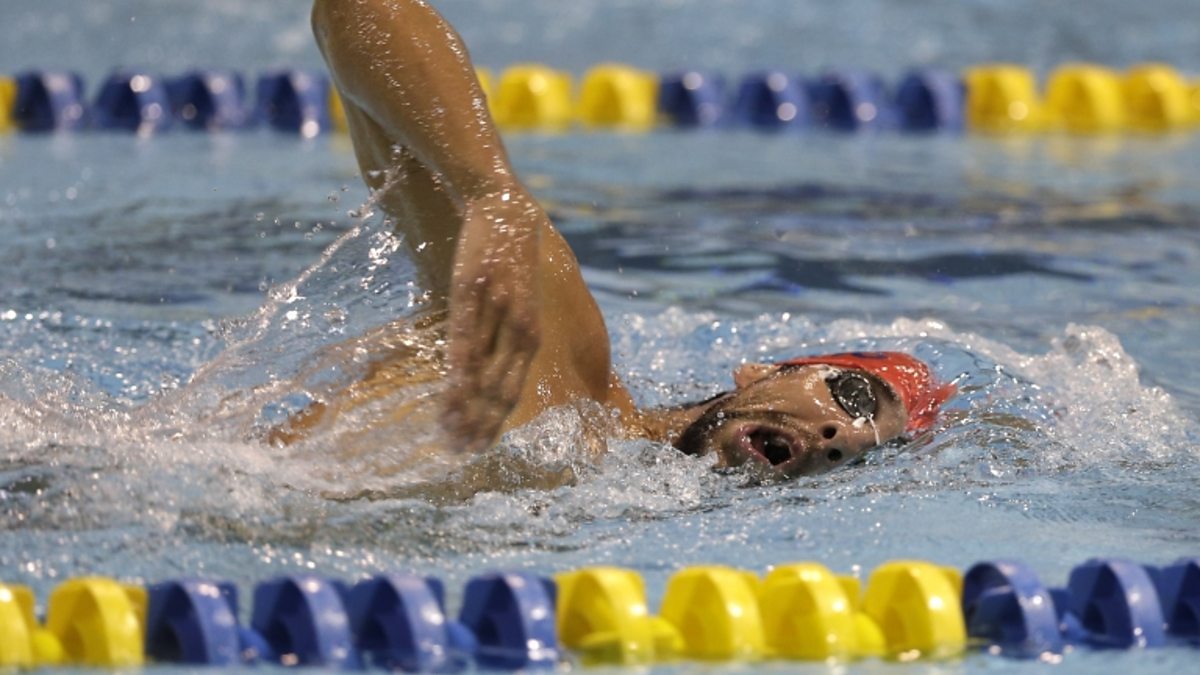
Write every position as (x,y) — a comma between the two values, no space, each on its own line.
(524,333)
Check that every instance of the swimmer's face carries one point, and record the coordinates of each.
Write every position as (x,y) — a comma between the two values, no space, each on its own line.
(796,420)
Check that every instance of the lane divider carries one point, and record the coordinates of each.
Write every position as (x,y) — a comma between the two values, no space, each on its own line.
(1158,99)
(1086,99)
(618,97)
(532,96)
(49,101)
(210,100)
(337,111)
(908,610)
(133,102)
(931,100)
(8,99)
(1003,98)
(1078,98)
(295,101)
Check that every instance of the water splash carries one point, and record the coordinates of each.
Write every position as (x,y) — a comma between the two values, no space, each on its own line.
(113,482)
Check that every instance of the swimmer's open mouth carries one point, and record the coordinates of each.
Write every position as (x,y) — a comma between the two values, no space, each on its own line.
(773,445)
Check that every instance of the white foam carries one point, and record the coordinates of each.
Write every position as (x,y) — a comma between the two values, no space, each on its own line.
(194,459)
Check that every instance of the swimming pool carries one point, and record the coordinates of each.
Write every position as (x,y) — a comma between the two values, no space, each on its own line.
(1054,277)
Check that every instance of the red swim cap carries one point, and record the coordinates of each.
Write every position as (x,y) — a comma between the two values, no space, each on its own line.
(907,377)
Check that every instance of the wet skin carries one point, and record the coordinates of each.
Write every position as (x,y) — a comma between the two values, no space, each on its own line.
(524,332)
(788,421)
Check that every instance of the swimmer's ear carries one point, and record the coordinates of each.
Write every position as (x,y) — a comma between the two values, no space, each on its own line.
(749,373)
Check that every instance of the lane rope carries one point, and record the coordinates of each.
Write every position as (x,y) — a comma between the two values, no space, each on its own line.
(907,609)
(1084,99)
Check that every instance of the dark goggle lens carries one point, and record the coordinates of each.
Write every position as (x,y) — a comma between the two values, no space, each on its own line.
(853,393)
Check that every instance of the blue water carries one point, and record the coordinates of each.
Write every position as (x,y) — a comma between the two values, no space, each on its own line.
(161,298)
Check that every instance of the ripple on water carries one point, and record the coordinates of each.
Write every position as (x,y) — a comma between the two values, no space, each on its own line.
(1067,439)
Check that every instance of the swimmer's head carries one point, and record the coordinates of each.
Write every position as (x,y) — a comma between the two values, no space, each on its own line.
(810,414)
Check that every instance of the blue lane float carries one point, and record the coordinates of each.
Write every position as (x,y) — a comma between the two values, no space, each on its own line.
(771,100)
(209,100)
(1005,605)
(931,100)
(692,99)
(1106,604)
(304,621)
(1179,591)
(1111,604)
(295,101)
(400,623)
(195,622)
(513,619)
(851,100)
(49,101)
(132,101)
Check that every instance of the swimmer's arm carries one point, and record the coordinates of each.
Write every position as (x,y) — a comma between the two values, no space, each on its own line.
(403,65)
(406,69)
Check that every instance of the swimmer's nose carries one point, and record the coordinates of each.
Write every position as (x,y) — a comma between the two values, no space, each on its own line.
(813,450)
(839,444)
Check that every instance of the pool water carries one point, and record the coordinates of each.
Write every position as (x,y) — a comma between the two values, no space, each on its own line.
(161,301)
